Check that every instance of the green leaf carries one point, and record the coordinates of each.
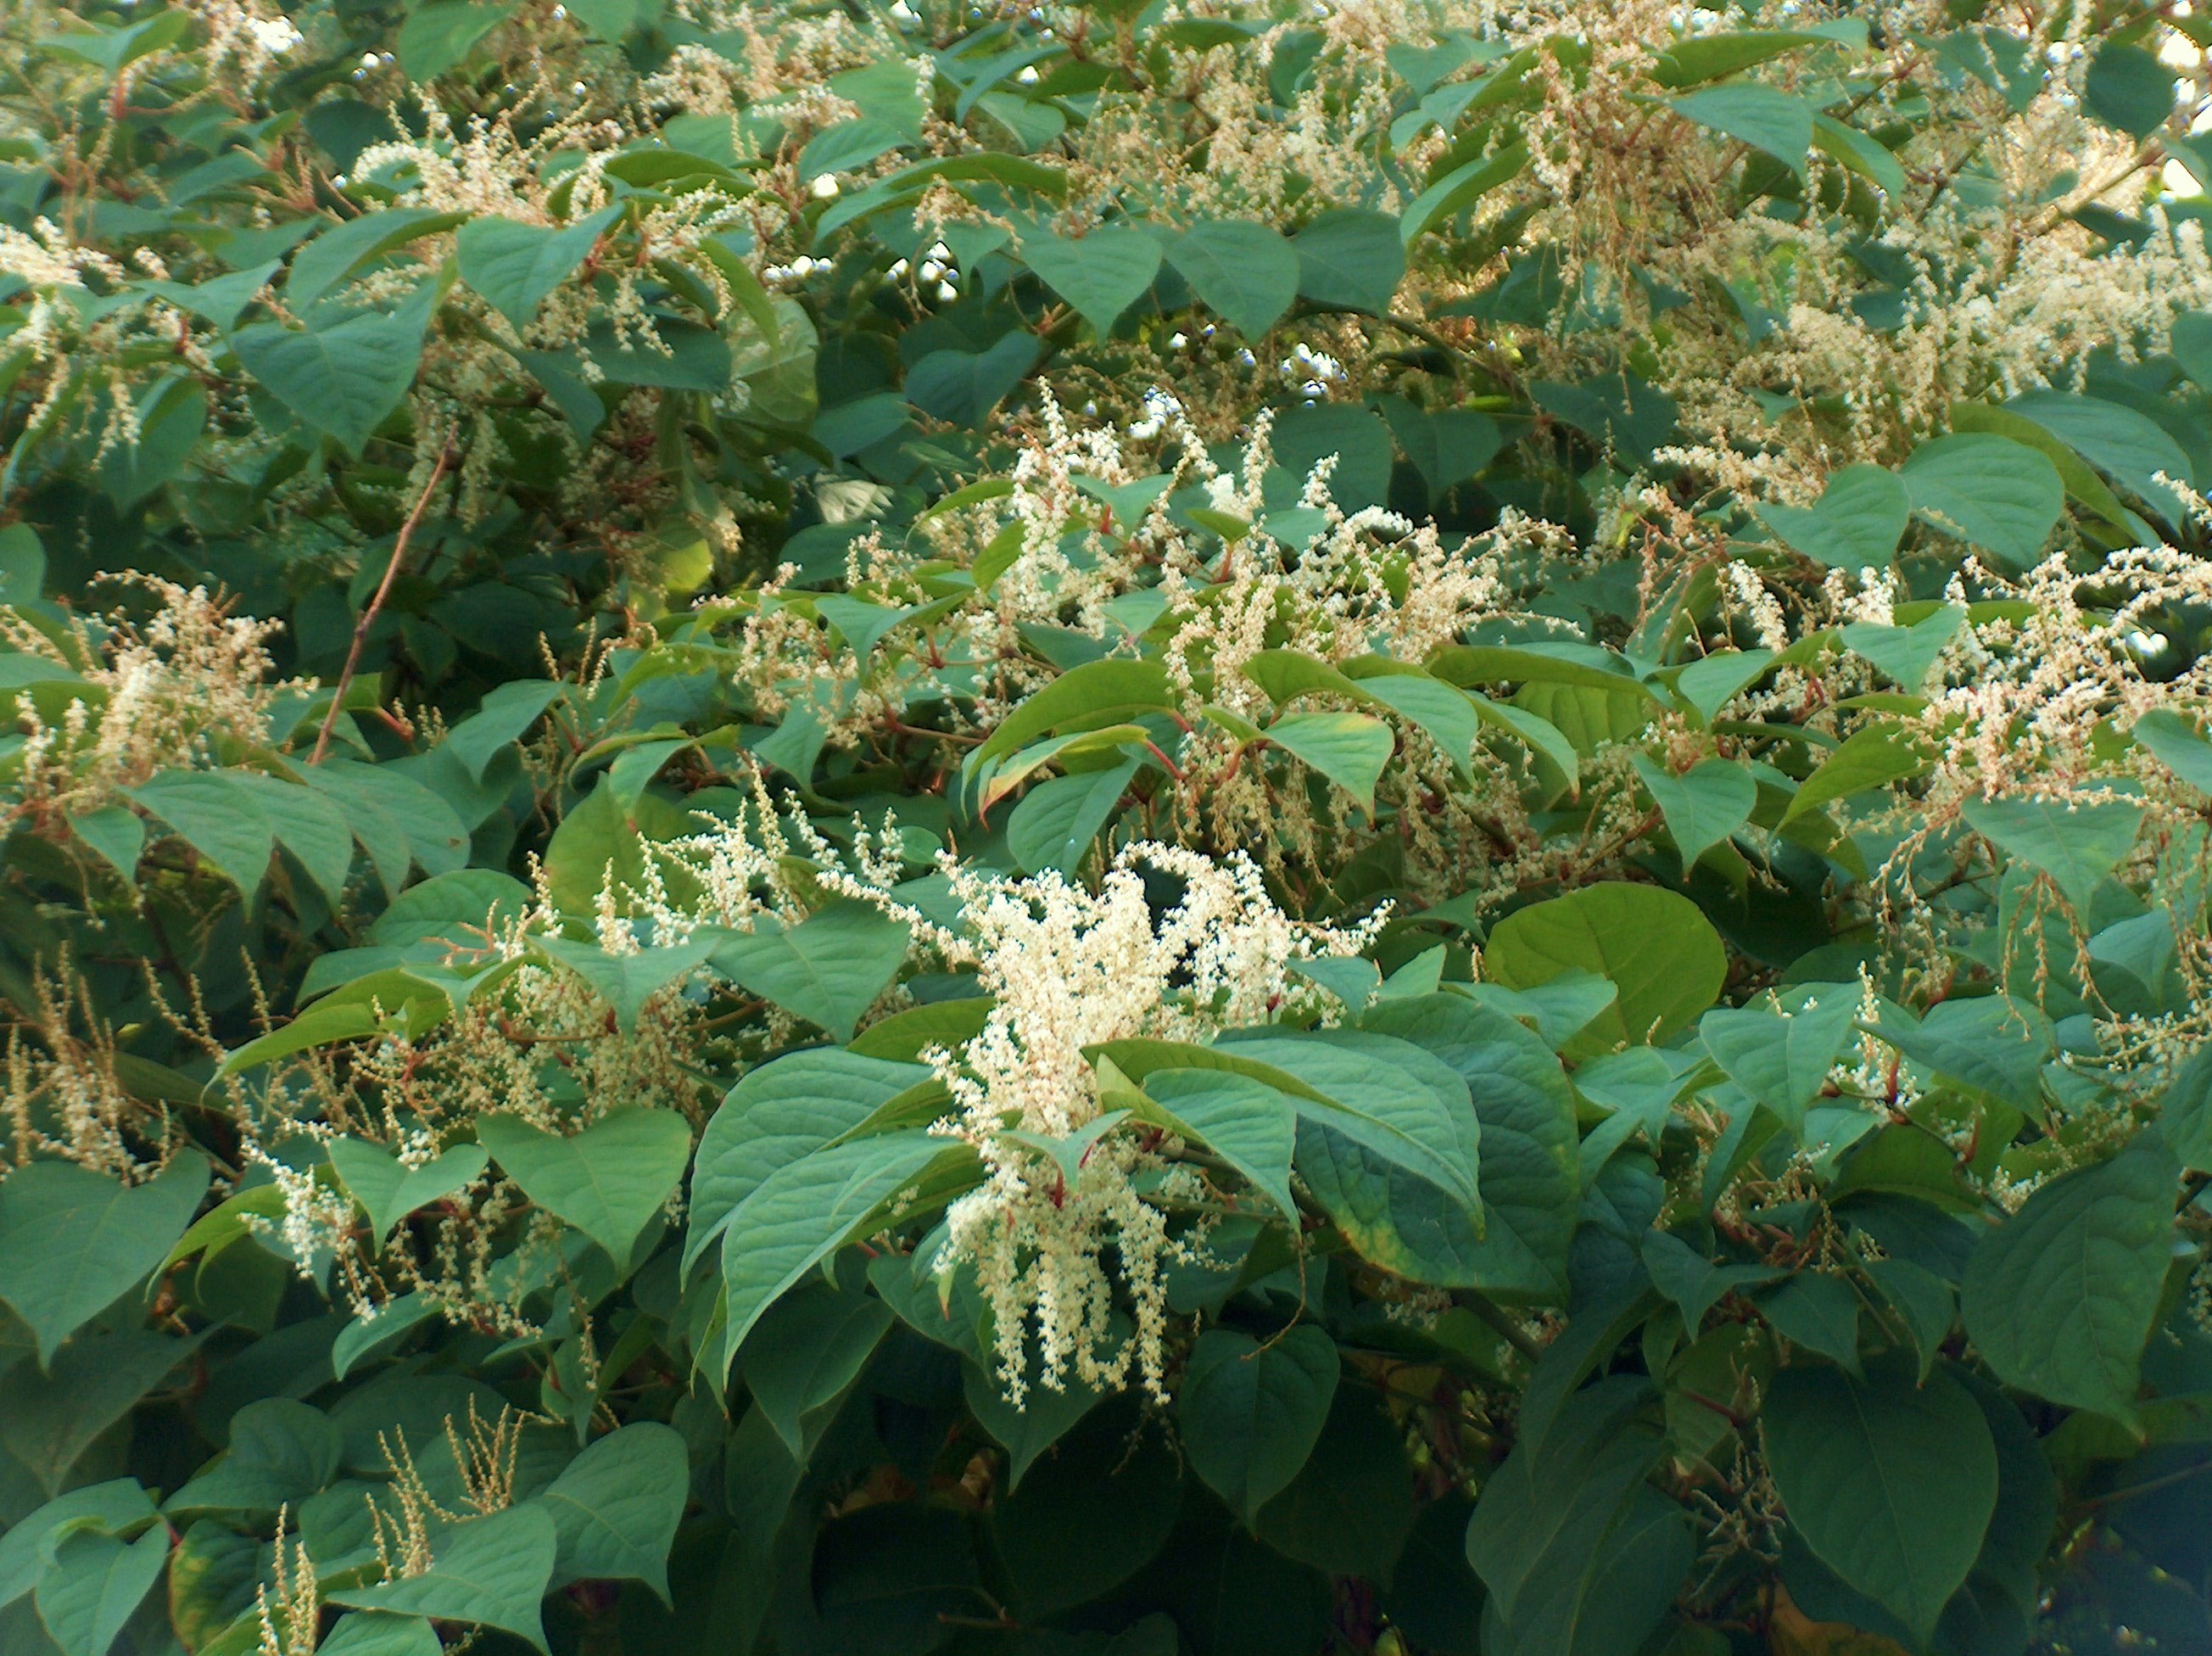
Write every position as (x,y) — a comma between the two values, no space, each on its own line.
(1819,1312)
(1781,1059)
(615,1507)
(388,1190)
(1993,1046)
(963,386)
(1351,1506)
(1248,1124)
(778,1113)
(1871,757)
(1730,51)
(805,1351)
(1244,272)
(1652,944)
(516,265)
(280,1452)
(1907,655)
(220,819)
(1704,805)
(1101,275)
(1999,495)
(627,981)
(1098,693)
(1766,119)
(2131,447)
(829,969)
(379,1633)
(608,1181)
(1864,156)
(1855,525)
(340,250)
(1351,257)
(1693,1281)
(805,1209)
(342,379)
(1529,1179)
(1891,1483)
(120,1507)
(94,1584)
(2060,1299)
(51,1419)
(1350,749)
(436,37)
(72,1241)
(2178,744)
(488,1571)
(2077,845)
(1387,1096)
(1057,820)
(1581,1555)
(1251,1413)
(2129,88)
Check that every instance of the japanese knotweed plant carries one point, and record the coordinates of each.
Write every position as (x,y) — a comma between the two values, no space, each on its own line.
(1215,826)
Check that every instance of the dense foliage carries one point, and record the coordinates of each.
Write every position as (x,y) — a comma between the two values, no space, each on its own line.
(1104,827)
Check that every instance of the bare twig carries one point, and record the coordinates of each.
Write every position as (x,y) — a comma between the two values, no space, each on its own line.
(376,604)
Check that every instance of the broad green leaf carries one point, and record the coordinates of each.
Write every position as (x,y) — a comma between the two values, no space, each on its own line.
(1907,655)
(805,1209)
(1243,272)
(488,1571)
(516,265)
(1096,693)
(1767,119)
(829,969)
(608,1181)
(2130,447)
(1448,714)
(778,1113)
(1890,1483)
(1350,749)
(506,712)
(1350,1507)
(1817,1310)
(1993,1046)
(1248,1124)
(379,1633)
(342,249)
(94,1584)
(1704,805)
(1652,944)
(1057,820)
(965,386)
(1999,495)
(280,1452)
(1349,256)
(1101,275)
(1461,188)
(2077,845)
(616,1506)
(437,36)
(1388,1096)
(2185,1110)
(72,1241)
(52,1418)
(2178,744)
(2129,88)
(1251,1413)
(1729,51)
(1580,1553)
(1691,1280)
(222,820)
(1027,1430)
(1781,1059)
(388,1190)
(2060,1299)
(343,378)
(627,981)
(1856,524)
(307,825)
(120,1507)
(1864,156)
(807,1348)
(1870,758)
(1528,1180)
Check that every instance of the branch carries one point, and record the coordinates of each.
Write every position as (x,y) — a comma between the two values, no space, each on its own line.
(376,604)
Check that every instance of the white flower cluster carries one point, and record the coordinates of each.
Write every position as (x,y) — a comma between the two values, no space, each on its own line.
(1069,968)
